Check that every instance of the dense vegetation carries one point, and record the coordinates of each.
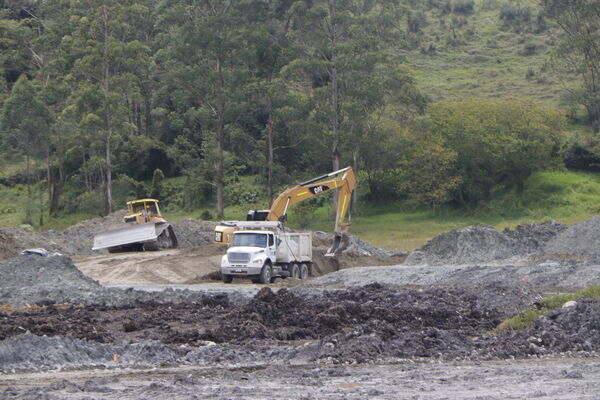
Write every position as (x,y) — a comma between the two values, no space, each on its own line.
(103,100)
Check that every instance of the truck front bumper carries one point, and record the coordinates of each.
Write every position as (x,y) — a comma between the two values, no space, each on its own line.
(241,270)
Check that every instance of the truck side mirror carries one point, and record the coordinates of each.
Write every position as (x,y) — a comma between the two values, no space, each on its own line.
(278,241)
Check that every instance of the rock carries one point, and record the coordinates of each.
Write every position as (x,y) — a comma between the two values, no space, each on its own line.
(571,303)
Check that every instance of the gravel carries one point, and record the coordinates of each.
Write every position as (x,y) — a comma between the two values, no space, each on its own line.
(56,280)
(482,243)
(581,240)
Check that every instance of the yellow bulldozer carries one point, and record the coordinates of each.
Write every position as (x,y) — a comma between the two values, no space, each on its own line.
(146,230)
(343,180)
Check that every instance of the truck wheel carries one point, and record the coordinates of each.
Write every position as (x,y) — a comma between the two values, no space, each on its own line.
(303,271)
(227,278)
(295,271)
(266,273)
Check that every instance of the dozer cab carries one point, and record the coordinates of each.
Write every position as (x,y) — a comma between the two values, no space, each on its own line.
(146,230)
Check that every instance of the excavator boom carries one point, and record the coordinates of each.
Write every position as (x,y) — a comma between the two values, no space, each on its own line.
(343,180)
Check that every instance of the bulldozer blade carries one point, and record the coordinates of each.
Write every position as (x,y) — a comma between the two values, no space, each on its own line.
(129,235)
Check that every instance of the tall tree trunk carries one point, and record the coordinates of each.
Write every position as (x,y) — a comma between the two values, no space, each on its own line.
(355,167)
(335,117)
(219,163)
(220,115)
(107,116)
(49,180)
(269,130)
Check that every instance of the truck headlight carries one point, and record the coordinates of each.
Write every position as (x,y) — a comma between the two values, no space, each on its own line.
(258,261)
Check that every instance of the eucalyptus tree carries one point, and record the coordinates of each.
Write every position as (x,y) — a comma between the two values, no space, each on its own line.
(579,49)
(203,58)
(350,64)
(108,56)
(25,123)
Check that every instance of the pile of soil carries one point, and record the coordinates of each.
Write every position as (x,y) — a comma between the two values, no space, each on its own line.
(193,232)
(368,324)
(30,352)
(56,280)
(482,243)
(581,239)
(78,239)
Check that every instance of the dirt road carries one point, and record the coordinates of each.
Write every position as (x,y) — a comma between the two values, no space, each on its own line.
(551,378)
(185,266)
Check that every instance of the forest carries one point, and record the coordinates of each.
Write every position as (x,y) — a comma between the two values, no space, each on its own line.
(207,104)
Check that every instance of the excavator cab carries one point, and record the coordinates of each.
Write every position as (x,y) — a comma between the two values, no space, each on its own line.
(257,215)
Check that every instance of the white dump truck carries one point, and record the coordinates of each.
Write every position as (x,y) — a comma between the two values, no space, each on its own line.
(263,251)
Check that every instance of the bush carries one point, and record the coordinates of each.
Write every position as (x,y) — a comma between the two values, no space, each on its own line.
(125,189)
(206,215)
(242,194)
(157,183)
(464,6)
(91,202)
(416,21)
(497,142)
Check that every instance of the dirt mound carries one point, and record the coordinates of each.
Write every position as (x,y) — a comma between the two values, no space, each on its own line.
(78,239)
(532,238)
(581,239)
(193,232)
(56,280)
(483,243)
(8,246)
(367,324)
(30,352)
(572,328)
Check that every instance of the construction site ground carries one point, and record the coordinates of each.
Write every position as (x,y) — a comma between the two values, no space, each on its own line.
(368,324)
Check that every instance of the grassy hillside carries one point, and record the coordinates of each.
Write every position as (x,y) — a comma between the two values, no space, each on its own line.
(478,54)
(565,196)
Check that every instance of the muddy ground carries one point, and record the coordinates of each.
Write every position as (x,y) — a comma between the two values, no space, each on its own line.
(546,379)
(421,329)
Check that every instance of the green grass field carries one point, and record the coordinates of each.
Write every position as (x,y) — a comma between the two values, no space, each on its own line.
(490,60)
(564,196)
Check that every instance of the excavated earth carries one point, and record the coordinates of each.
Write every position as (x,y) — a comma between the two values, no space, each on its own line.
(421,329)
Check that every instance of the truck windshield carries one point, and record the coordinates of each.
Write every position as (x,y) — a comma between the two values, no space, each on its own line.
(250,239)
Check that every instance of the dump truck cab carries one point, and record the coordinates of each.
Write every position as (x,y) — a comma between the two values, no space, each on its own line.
(263,251)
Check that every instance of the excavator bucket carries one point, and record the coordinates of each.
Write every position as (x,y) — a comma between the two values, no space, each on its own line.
(335,247)
(146,235)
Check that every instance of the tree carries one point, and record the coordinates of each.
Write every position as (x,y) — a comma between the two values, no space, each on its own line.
(204,52)
(579,50)
(108,56)
(25,124)
(429,176)
(348,54)
(496,142)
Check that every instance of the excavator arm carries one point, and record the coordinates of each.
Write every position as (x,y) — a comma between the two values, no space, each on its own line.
(345,184)
(343,180)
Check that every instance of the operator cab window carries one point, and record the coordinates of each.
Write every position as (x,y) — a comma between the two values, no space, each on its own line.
(271,240)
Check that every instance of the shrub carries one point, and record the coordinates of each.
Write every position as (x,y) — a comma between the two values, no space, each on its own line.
(416,21)
(464,6)
(157,183)
(206,215)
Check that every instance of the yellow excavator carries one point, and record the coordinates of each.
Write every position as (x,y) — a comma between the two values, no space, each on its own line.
(146,230)
(343,180)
